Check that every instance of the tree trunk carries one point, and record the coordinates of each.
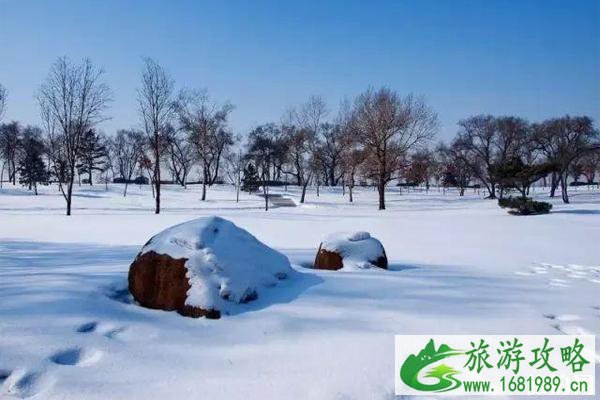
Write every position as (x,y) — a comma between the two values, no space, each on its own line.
(303,196)
(69,196)
(462,192)
(14,173)
(204,179)
(266,194)
(350,193)
(2,176)
(492,190)
(553,184)
(381,190)
(564,192)
(151,180)
(157,196)
(157,189)
(90,176)
(157,171)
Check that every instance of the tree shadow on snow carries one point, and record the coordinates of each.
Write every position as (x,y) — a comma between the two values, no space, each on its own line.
(578,212)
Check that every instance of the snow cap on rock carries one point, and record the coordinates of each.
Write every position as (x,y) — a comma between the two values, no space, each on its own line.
(357,249)
(225,264)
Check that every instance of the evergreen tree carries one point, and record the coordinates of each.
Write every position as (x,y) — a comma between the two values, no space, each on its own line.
(30,166)
(517,174)
(92,154)
(250,180)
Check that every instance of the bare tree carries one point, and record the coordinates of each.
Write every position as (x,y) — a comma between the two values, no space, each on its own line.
(300,128)
(234,166)
(420,168)
(328,151)
(388,126)
(3,95)
(487,142)
(564,140)
(206,124)
(455,170)
(590,165)
(73,100)
(351,160)
(475,143)
(299,149)
(9,144)
(181,155)
(311,114)
(127,148)
(156,109)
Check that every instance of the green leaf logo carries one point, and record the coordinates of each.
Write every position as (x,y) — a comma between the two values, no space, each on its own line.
(409,372)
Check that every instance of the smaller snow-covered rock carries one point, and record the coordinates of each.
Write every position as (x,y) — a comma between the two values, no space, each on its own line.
(204,267)
(350,250)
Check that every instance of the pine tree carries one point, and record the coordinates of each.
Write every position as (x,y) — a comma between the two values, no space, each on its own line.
(250,179)
(31,167)
(92,154)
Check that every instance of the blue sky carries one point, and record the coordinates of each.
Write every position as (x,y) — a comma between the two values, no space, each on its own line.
(530,58)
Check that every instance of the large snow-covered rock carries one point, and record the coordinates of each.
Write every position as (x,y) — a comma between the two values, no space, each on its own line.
(204,267)
(350,250)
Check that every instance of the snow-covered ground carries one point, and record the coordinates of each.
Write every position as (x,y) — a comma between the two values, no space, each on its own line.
(457,265)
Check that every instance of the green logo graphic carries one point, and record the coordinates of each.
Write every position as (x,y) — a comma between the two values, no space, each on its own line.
(413,365)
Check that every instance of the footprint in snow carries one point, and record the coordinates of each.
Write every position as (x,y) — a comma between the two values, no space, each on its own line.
(4,373)
(87,327)
(76,356)
(564,324)
(114,333)
(569,329)
(106,329)
(564,275)
(563,317)
(24,384)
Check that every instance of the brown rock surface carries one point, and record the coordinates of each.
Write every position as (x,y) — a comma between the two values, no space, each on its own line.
(328,259)
(159,281)
(331,260)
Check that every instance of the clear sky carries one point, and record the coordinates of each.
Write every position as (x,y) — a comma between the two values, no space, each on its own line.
(530,58)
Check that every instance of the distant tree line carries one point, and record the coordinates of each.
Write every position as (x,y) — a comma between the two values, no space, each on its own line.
(375,139)
(510,154)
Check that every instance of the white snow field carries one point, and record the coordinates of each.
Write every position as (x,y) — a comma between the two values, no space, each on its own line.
(457,266)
